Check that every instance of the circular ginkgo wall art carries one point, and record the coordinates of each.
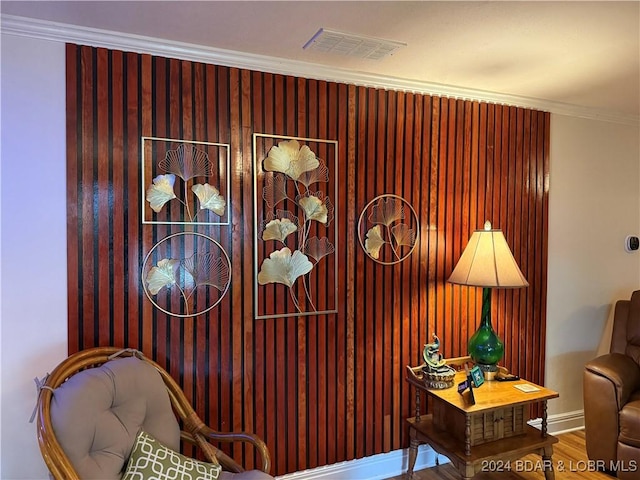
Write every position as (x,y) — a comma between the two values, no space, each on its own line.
(388,228)
(186,274)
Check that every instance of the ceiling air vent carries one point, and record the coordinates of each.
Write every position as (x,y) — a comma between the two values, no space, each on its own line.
(330,41)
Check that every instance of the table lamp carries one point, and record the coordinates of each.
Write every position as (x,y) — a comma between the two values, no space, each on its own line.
(487,262)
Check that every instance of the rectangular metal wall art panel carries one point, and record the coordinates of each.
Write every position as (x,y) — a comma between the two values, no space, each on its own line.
(296,232)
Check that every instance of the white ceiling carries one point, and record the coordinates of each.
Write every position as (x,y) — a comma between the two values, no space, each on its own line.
(578,53)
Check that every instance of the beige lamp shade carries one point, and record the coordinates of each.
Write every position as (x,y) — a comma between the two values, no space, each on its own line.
(487,261)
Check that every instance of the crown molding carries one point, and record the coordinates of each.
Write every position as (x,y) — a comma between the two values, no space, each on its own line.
(61,32)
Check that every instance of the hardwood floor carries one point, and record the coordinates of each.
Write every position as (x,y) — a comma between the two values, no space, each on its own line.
(570,462)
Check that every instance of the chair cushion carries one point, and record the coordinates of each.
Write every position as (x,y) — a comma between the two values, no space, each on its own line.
(97,413)
(630,422)
(150,459)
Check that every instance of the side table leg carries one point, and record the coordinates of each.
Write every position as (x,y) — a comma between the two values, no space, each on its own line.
(413,453)
(547,461)
(467,472)
(467,435)
(544,418)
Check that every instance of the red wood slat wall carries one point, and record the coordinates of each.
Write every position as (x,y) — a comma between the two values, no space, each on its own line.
(326,388)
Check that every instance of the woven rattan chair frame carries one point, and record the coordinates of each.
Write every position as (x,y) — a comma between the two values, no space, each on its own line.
(194,430)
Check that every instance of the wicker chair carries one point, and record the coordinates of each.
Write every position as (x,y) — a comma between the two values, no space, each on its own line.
(69,380)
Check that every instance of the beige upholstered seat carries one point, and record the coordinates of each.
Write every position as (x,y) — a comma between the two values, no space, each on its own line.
(94,403)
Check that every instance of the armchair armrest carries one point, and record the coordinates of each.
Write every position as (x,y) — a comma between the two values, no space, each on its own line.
(227,462)
(608,381)
(621,371)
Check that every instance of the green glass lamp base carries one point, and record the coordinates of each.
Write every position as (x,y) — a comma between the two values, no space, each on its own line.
(485,347)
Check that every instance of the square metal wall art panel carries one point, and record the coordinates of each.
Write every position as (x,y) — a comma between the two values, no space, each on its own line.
(184,182)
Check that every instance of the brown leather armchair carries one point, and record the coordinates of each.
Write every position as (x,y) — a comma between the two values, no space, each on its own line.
(612,396)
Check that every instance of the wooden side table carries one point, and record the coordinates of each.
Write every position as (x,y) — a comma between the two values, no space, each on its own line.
(487,436)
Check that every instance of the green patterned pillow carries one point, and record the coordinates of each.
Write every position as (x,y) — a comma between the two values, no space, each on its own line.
(150,460)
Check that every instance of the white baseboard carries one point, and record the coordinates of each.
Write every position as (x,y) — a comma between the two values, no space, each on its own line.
(561,422)
(392,464)
(375,467)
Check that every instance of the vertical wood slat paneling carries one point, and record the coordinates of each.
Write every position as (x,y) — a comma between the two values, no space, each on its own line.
(326,388)
(117,188)
(74,262)
(348,317)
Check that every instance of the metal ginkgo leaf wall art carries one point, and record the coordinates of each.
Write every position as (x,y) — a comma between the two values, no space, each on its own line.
(184,183)
(186,274)
(387,229)
(295,256)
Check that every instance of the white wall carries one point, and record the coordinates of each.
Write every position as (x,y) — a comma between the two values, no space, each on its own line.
(33,261)
(594,204)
